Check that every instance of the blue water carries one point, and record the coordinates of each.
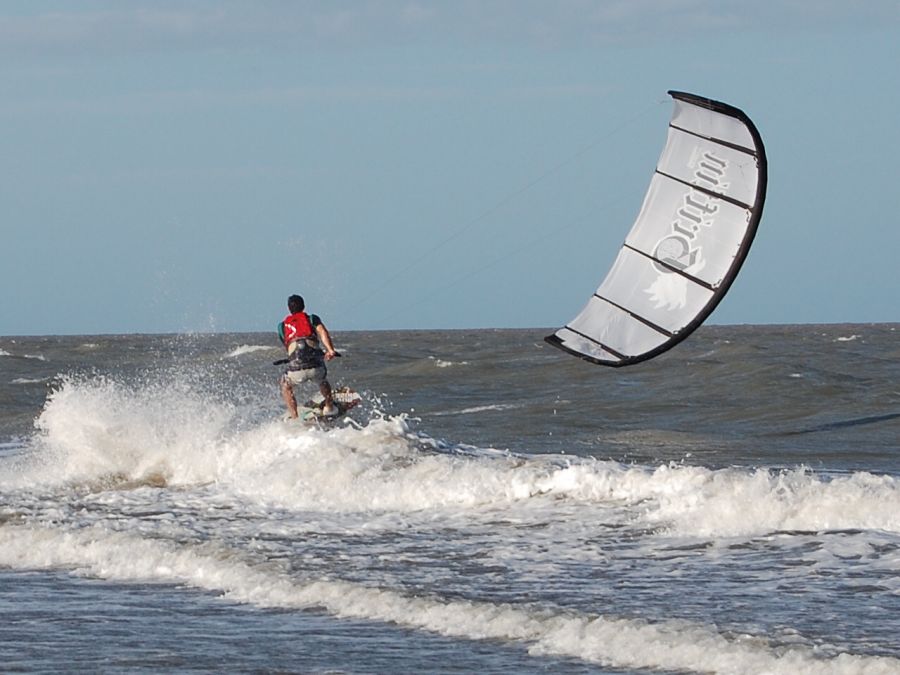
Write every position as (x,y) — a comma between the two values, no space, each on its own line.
(493,506)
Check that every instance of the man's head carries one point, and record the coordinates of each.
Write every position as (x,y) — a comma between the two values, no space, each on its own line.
(296,304)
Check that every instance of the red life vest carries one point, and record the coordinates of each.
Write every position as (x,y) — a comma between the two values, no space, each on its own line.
(296,327)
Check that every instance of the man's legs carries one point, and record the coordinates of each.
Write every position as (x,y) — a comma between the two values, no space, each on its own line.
(287,393)
(325,389)
(313,374)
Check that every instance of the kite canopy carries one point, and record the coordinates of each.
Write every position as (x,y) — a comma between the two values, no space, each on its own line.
(690,238)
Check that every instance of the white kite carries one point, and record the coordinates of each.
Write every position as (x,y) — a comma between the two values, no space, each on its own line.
(690,238)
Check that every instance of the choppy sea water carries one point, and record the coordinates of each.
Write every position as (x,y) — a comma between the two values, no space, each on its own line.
(494,506)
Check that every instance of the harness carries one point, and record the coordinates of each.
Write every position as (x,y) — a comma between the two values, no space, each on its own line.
(301,342)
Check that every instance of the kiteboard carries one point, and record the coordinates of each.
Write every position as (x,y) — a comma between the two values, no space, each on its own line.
(345,399)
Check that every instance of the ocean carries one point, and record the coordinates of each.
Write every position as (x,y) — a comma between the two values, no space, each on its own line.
(493,506)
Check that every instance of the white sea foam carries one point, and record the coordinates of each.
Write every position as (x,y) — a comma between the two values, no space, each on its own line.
(702,502)
(849,338)
(91,430)
(611,641)
(30,380)
(441,363)
(36,357)
(247,349)
(96,428)
(478,409)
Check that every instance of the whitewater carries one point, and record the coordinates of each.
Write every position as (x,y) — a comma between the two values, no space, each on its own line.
(493,506)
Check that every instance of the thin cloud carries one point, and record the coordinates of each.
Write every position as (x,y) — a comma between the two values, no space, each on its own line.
(343,24)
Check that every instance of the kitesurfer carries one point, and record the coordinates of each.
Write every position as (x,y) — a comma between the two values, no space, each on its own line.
(304,336)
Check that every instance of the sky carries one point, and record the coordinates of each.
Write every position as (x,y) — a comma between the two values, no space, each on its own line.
(403,164)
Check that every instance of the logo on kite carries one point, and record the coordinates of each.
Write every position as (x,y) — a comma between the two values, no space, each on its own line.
(680,250)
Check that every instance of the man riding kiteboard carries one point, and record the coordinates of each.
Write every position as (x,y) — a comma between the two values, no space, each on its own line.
(304,336)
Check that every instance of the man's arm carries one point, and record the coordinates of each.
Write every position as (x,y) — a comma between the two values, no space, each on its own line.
(325,339)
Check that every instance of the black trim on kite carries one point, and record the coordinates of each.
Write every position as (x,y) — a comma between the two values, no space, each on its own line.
(709,104)
(705,284)
(643,320)
(707,191)
(603,346)
(554,340)
(714,139)
(749,235)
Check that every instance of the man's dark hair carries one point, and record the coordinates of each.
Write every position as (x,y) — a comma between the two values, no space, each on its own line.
(296,304)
